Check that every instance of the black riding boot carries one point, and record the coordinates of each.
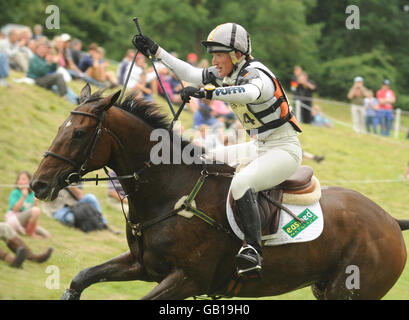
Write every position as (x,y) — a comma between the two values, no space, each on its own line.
(249,257)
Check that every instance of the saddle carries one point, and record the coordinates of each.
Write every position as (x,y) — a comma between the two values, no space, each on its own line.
(269,201)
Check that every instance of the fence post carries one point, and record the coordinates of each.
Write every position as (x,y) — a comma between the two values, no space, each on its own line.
(397,122)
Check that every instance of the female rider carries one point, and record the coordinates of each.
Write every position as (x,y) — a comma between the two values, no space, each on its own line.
(260,103)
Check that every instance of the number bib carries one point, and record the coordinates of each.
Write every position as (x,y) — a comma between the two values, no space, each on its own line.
(247,119)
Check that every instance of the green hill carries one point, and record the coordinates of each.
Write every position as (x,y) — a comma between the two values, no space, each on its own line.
(29,118)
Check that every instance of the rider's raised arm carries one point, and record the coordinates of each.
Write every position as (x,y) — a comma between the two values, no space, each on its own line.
(183,70)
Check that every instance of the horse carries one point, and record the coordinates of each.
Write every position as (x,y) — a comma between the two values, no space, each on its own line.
(188,257)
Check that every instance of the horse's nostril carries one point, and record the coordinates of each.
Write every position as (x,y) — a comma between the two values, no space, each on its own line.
(38,186)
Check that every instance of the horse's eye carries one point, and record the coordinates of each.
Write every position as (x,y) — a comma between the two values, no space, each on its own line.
(78,134)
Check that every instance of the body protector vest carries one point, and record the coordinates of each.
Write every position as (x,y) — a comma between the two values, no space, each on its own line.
(260,116)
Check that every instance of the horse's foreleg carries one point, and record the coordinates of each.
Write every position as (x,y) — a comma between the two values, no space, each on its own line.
(121,268)
(176,286)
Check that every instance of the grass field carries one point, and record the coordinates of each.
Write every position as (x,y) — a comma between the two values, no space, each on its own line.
(29,118)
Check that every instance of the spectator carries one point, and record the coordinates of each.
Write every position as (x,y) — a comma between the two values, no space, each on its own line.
(303,93)
(12,47)
(116,192)
(386,98)
(371,108)
(176,86)
(204,114)
(73,54)
(192,58)
(4,70)
(60,45)
(42,69)
(23,212)
(94,66)
(25,37)
(140,79)
(124,66)
(60,208)
(356,95)
(406,173)
(19,247)
(207,139)
(319,119)
(38,32)
(204,63)
(310,156)
(294,78)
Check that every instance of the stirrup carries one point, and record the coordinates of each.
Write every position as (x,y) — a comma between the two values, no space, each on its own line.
(248,264)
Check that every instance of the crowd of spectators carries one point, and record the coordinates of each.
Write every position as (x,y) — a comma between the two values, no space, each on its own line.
(52,63)
(372,113)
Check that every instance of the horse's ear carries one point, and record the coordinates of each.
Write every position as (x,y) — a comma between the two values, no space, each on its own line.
(85,93)
(107,102)
(110,100)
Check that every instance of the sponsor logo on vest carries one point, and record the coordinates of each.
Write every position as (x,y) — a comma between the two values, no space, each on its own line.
(229,90)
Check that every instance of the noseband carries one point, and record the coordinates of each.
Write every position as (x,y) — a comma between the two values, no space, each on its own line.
(81,168)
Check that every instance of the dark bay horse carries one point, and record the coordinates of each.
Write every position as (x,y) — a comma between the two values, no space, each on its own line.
(188,257)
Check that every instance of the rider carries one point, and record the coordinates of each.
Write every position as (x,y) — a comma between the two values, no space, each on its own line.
(261,105)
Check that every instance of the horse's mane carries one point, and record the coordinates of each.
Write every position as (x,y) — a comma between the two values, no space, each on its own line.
(150,113)
(147,111)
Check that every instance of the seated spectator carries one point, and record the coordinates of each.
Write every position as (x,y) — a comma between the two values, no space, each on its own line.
(19,247)
(207,139)
(23,212)
(204,114)
(25,37)
(94,66)
(38,32)
(124,66)
(310,156)
(116,192)
(318,118)
(74,54)
(4,70)
(176,87)
(13,48)
(59,45)
(42,69)
(371,109)
(60,208)
(235,132)
(140,78)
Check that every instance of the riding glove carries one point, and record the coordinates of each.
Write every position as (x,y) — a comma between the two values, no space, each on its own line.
(206,92)
(145,45)
(188,92)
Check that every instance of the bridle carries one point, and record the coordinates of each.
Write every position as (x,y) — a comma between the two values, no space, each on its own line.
(81,168)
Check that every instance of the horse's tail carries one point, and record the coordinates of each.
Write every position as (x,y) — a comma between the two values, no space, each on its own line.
(403,224)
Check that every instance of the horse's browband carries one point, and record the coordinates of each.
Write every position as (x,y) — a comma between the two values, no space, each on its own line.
(86,114)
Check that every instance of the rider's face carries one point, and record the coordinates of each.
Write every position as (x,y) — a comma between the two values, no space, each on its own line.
(223,63)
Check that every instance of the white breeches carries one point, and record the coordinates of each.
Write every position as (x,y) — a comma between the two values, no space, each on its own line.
(269,162)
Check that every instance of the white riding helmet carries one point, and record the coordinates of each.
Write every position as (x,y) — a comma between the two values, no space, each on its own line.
(228,37)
